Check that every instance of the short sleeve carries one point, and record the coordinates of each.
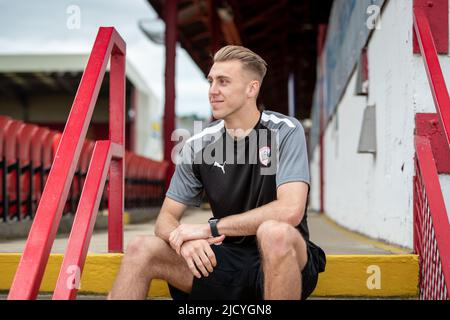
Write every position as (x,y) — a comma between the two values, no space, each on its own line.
(293,157)
(185,186)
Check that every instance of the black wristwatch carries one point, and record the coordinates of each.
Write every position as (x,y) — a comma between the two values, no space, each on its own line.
(213,225)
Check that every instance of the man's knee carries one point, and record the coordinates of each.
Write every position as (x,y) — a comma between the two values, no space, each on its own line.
(143,248)
(277,240)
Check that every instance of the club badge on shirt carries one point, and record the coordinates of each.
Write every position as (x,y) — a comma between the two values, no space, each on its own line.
(264,155)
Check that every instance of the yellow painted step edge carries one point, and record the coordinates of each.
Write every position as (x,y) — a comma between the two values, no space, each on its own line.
(345,275)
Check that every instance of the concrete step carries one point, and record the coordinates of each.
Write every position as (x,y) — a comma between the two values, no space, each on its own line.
(357,266)
(345,275)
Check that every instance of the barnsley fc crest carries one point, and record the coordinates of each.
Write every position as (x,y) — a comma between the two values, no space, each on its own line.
(264,155)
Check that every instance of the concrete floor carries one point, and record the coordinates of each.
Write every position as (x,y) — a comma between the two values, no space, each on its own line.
(325,233)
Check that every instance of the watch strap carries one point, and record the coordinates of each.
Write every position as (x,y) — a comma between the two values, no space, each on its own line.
(213,225)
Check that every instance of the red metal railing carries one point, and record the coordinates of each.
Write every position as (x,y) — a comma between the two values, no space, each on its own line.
(431,226)
(107,154)
(431,223)
(433,68)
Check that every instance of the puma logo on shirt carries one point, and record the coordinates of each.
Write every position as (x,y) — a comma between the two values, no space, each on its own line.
(216,164)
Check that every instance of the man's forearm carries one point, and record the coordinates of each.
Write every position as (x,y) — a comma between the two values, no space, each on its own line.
(164,225)
(248,222)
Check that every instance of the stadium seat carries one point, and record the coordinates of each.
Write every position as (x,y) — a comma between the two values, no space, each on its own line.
(12,162)
(37,154)
(4,123)
(24,191)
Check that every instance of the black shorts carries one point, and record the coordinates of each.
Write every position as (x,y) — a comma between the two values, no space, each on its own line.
(239,276)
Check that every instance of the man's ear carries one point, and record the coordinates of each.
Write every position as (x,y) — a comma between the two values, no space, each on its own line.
(253,89)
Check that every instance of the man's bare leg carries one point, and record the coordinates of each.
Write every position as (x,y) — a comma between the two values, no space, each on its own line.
(147,258)
(284,255)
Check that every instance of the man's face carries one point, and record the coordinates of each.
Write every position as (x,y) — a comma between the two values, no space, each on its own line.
(230,87)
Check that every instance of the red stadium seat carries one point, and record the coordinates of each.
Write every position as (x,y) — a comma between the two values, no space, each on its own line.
(47,155)
(10,152)
(37,154)
(24,189)
(27,152)
(4,123)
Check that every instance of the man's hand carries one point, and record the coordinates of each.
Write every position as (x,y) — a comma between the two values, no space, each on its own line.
(199,256)
(185,232)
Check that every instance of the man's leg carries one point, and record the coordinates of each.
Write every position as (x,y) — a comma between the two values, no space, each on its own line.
(284,255)
(147,258)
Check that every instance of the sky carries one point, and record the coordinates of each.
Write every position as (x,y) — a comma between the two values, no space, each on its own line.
(48,26)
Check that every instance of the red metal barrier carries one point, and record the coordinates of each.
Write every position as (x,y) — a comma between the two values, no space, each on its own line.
(433,68)
(83,225)
(431,223)
(28,277)
(431,226)
(25,188)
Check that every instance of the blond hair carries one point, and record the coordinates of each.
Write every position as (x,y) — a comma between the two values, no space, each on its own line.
(250,60)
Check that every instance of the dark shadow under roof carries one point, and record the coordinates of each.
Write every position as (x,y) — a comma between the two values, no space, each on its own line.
(283,32)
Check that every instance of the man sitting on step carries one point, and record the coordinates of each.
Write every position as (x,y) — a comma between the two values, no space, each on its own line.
(253,167)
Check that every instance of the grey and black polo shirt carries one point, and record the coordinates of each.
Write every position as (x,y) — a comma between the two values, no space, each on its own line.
(240,175)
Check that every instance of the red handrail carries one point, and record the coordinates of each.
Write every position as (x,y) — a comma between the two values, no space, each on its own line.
(28,277)
(431,225)
(83,225)
(433,68)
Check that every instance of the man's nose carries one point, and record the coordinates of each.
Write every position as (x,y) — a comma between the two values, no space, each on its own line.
(213,89)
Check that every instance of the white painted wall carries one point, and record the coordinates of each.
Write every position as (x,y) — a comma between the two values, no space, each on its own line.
(444,180)
(314,170)
(373,194)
